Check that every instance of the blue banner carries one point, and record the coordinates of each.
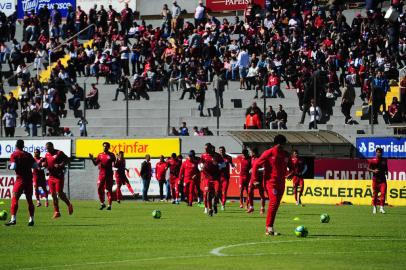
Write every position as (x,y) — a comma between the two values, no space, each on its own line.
(28,5)
(393,147)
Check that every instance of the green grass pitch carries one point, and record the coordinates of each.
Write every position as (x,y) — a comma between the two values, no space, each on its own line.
(184,238)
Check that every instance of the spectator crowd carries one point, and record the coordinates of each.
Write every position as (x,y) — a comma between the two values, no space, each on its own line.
(291,44)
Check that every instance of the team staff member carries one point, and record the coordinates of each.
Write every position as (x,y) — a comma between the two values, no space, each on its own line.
(189,174)
(299,169)
(105,161)
(278,161)
(379,168)
(22,162)
(245,175)
(225,175)
(39,178)
(55,162)
(160,174)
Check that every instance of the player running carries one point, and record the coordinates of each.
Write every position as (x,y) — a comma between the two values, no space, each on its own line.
(299,169)
(225,175)
(55,162)
(210,173)
(379,168)
(22,162)
(189,174)
(174,168)
(259,184)
(39,178)
(121,177)
(245,175)
(275,161)
(105,161)
(160,174)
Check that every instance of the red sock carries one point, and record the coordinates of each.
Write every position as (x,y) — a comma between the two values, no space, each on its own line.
(100,192)
(14,205)
(130,188)
(109,197)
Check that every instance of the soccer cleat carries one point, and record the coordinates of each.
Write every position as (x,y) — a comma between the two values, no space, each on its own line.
(241,205)
(223,208)
(270,232)
(102,206)
(11,223)
(70,209)
(382,211)
(46,203)
(108,207)
(38,204)
(31,223)
(205,210)
(215,208)
(173,202)
(262,211)
(118,201)
(374,210)
(250,210)
(211,212)
(56,215)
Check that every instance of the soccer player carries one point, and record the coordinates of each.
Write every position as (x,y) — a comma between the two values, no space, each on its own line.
(160,174)
(256,185)
(22,162)
(121,177)
(55,162)
(210,173)
(105,161)
(39,178)
(245,176)
(275,162)
(189,175)
(225,175)
(299,169)
(379,168)
(174,168)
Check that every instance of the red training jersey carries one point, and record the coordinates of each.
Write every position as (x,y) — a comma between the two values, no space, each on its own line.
(24,163)
(174,168)
(189,170)
(298,166)
(245,174)
(57,157)
(105,162)
(382,165)
(160,170)
(211,171)
(120,166)
(276,162)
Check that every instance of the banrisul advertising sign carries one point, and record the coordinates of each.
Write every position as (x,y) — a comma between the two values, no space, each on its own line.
(393,147)
(29,5)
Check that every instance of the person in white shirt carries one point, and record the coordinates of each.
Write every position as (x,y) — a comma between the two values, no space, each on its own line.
(176,16)
(10,123)
(243,62)
(315,115)
(252,76)
(200,14)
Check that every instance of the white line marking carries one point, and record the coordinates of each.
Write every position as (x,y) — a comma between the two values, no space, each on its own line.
(218,251)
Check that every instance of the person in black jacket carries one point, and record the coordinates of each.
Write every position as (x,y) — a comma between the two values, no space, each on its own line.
(146,174)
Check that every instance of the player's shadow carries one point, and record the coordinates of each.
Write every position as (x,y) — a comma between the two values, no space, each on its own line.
(82,225)
(350,236)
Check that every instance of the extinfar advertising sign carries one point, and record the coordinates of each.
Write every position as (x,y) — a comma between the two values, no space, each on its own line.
(8,147)
(28,5)
(7,7)
(221,5)
(393,147)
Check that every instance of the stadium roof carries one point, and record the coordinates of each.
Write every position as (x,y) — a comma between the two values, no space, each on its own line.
(322,143)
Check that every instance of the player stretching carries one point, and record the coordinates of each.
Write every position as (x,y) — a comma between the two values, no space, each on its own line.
(39,178)
(277,160)
(225,175)
(379,168)
(55,162)
(245,176)
(299,169)
(211,162)
(174,167)
(121,177)
(22,162)
(105,161)
(189,175)
(259,184)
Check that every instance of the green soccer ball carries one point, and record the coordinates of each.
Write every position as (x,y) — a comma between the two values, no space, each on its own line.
(324,218)
(301,231)
(156,214)
(3,215)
